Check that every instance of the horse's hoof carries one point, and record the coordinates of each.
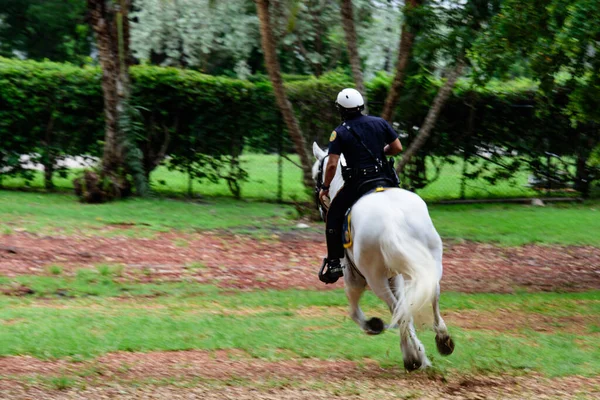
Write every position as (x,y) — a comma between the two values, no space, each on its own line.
(445,344)
(412,365)
(374,326)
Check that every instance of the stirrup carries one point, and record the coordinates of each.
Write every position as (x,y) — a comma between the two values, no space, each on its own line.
(331,271)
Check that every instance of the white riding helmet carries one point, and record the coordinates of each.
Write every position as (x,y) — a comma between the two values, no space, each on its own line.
(350,99)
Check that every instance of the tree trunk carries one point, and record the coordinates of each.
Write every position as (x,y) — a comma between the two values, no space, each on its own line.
(406,44)
(351,42)
(49,156)
(584,175)
(110,22)
(103,17)
(432,115)
(285,107)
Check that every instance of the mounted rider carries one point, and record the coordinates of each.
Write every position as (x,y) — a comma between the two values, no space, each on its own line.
(365,141)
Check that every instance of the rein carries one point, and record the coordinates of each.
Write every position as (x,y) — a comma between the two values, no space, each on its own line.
(319,184)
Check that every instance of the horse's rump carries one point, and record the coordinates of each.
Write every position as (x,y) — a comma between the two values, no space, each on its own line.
(396,224)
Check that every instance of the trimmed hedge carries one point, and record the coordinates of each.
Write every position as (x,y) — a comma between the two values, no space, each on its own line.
(200,122)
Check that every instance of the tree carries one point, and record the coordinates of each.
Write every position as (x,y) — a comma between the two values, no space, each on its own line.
(222,37)
(352,45)
(404,54)
(463,23)
(110,21)
(379,37)
(214,36)
(432,115)
(272,65)
(309,32)
(39,29)
(560,42)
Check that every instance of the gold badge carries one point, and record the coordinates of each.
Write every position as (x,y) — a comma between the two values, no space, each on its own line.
(333,136)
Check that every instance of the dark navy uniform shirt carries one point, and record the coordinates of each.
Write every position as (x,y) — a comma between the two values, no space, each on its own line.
(375,133)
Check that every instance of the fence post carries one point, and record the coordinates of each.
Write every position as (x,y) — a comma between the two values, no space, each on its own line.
(280,167)
(190,182)
(463,177)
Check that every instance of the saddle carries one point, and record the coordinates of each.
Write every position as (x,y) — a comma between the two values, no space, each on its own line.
(347,226)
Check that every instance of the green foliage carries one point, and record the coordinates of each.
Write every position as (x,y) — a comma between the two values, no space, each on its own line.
(45,29)
(48,109)
(203,123)
(558,42)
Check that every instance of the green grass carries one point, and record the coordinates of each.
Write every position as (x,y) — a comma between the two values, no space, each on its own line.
(566,224)
(512,225)
(262,183)
(272,325)
(39,212)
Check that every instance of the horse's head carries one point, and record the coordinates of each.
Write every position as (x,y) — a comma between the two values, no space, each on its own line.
(318,174)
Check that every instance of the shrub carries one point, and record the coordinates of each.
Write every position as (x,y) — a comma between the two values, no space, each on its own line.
(201,123)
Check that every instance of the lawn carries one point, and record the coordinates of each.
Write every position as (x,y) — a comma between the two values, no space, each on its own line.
(78,316)
(62,212)
(512,224)
(91,321)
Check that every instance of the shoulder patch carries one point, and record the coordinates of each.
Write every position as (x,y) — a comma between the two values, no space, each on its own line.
(333,136)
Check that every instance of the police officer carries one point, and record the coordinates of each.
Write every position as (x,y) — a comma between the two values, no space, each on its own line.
(364,141)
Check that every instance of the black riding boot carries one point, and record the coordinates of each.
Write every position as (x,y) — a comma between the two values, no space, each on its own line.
(332,270)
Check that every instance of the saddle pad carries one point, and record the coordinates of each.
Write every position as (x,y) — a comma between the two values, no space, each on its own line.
(347,226)
(347,230)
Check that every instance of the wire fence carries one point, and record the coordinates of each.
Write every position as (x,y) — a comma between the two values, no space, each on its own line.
(277,177)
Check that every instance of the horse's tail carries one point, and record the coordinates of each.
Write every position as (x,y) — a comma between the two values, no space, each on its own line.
(404,254)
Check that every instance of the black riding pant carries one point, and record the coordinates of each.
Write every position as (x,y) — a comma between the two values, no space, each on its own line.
(342,201)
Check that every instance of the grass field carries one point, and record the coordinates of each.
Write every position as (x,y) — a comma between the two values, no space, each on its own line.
(569,224)
(92,321)
(87,323)
(263,183)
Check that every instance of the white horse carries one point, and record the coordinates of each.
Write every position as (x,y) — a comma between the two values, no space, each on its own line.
(398,253)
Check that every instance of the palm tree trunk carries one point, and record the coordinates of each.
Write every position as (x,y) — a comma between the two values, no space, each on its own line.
(351,43)
(432,115)
(110,22)
(406,44)
(285,107)
(115,76)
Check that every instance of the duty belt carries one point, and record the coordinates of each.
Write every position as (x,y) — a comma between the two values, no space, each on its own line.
(353,173)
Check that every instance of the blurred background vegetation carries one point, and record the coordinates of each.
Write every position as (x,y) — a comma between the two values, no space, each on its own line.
(202,117)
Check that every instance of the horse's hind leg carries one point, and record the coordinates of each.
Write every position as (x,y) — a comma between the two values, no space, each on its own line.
(413,351)
(355,287)
(373,326)
(443,340)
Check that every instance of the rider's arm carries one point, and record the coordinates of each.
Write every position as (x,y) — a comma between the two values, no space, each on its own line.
(393,148)
(330,169)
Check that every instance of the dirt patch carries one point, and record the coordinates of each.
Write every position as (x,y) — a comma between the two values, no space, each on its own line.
(322,312)
(17,290)
(197,374)
(290,262)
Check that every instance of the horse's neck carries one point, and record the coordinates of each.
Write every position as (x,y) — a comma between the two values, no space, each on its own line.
(338,182)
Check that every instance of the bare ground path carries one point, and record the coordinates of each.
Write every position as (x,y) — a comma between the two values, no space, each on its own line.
(290,261)
(232,375)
